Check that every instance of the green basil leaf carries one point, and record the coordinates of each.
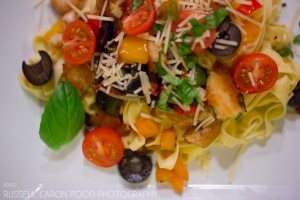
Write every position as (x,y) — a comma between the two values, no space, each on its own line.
(214,19)
(63,116)
(136,4)
(297,39)
(284,52)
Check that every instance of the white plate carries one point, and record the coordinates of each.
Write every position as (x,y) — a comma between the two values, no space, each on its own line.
(268,169)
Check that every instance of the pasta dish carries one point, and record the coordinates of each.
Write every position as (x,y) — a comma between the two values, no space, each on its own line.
(163,78)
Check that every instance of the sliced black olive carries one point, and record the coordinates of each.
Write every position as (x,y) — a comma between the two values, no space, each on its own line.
(230,32)
(39,73)
(135,167)
(106,33)
(133,85)
(295,100)
(109,104)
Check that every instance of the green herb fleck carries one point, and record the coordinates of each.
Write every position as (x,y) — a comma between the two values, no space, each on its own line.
(160,70)
(214,19)
(200,76)
(187,92)
(198,28)
(184,90)
(239,117)
(136,4)
(163,99)
(184,49)
(191,61)
(211,21)
(284,52)
(157,27)
(297,39)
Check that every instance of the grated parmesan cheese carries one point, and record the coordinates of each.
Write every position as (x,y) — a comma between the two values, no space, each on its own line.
(226,42)
(100,18)
(250,75)
(146,86)
(205,123)
(147,116)
(222,47)
(244,2)
(196,115)
(81,14)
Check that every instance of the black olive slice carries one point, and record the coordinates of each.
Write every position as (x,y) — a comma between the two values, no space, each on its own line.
(227,32)
(109,104)
(295,99)
(135,167)
(39,73)
(134,84)
(106,33)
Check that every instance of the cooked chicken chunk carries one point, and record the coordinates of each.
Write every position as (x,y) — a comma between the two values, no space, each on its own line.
(80,76)
(114,8)
(222,94)
(205,136)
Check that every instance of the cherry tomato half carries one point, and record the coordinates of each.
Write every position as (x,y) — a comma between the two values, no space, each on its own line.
(207,40)
(141,20)
(79,42)
(103,147)
(254,73)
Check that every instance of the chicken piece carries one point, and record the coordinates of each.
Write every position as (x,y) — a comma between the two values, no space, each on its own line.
(184,122)
(153,55)
(204,136)
(114,8)
(62,6)
(223,95)
(80,76)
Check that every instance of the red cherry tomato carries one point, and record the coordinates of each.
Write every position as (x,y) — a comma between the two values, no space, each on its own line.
(79,42)
(207,40)
(94,24)
(103,147)
(248,9)
(258,67)
(141,20)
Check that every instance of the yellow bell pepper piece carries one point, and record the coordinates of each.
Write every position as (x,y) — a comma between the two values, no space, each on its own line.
(252,31)
(168,140)
(175,177)
(58,27)
(133,50)
(147,127)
